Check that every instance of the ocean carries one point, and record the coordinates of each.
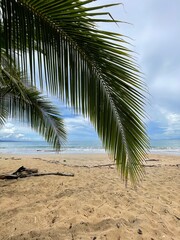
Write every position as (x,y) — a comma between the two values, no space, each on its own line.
(167,146)
(41,147)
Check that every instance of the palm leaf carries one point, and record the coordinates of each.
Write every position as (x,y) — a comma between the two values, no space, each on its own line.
(3,110)
(90,69)
(27,104)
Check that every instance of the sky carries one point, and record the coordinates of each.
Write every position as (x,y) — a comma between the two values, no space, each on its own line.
(154,34)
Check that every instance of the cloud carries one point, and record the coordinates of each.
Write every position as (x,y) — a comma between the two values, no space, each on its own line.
(173,124)
(79,127)
(19,135)
(163,124)
(157,42)
(14,130)
(7,130)
(76,122)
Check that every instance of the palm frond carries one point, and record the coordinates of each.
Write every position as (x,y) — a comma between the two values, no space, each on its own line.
(27,104)
(90,69)
(3,110)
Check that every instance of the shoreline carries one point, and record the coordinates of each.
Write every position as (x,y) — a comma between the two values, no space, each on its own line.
(83,151)
(94,204)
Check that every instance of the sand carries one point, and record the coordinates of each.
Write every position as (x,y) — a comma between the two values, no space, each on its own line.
(94,204)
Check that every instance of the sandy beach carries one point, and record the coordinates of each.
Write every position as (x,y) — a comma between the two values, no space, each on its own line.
(92,205)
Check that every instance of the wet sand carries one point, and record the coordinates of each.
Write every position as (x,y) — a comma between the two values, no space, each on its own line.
(94,204)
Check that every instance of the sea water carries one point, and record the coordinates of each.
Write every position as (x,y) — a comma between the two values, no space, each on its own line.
(41,147)
(166,146)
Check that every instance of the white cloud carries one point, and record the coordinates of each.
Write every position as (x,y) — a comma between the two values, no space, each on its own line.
(76,126)
(73,124)
(77,120)
(9,125)
(7,136)
(19,135)
(13,130)
(173,124)
(8,130)
(168,122)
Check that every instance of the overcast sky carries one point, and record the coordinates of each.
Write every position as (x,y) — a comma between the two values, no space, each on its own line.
(155,32)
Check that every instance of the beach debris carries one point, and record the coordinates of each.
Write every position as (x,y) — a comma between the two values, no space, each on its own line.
(55,219)
(152,160)
(178,218)
(139,231)
(24,172)
(72,236)
(22,169)
(152,165)
(110,165)
(11,158)
(117,225)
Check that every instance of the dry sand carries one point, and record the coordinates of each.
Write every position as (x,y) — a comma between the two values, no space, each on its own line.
(94,204)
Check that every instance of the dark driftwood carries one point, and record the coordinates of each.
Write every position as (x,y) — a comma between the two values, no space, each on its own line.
(23,172)
(24,175)
(8,176)
(152,160)
(45,174)
(178,218)
(27,170)
(153,165)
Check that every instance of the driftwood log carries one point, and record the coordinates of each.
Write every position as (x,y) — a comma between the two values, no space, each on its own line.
(23,172)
